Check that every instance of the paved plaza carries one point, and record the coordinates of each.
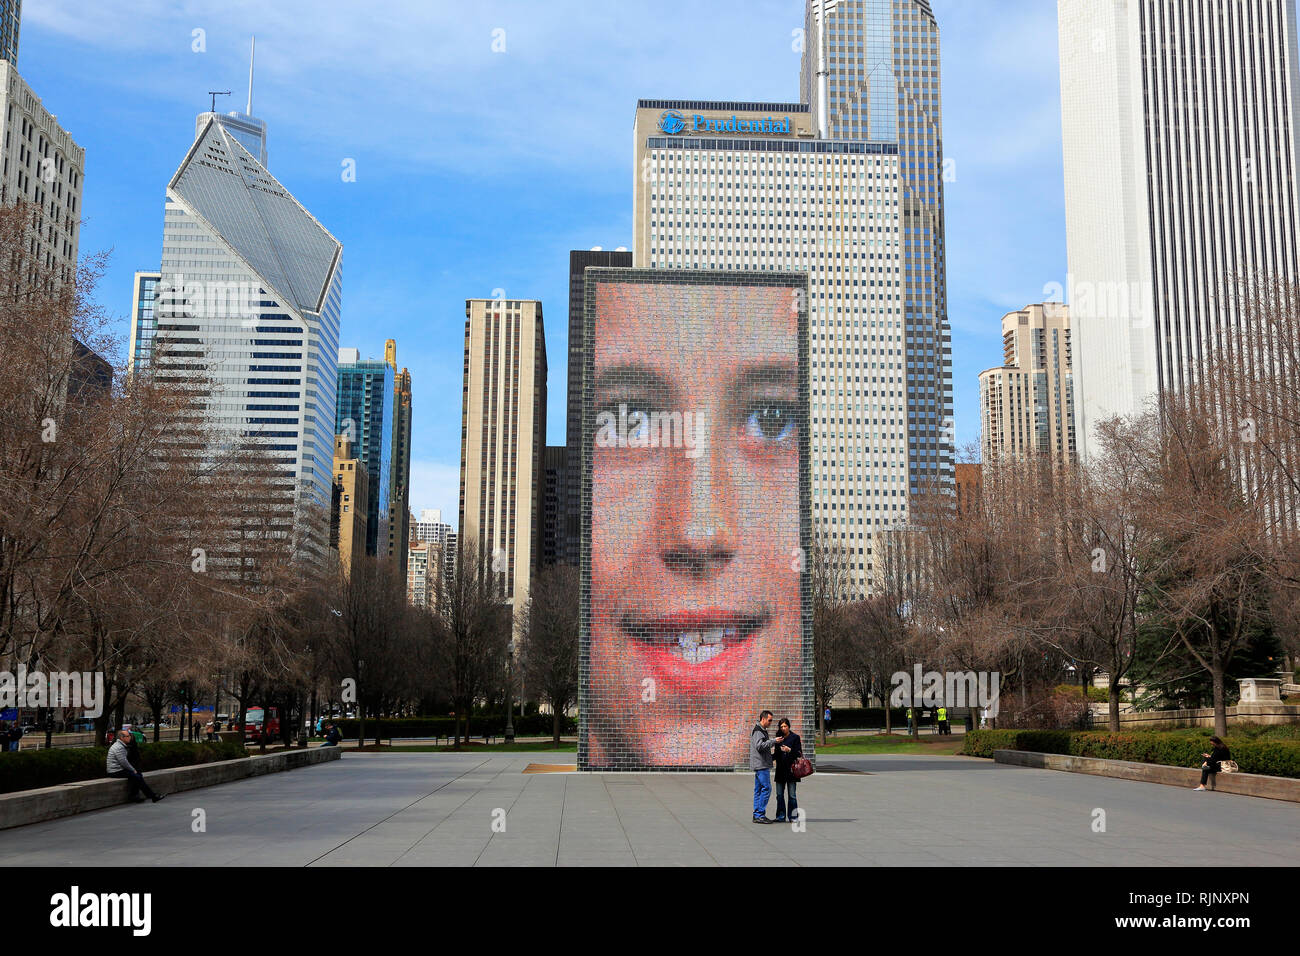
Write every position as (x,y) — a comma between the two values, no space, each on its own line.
(438,810)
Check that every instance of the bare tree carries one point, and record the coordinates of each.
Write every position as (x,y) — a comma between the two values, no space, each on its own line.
(549,655)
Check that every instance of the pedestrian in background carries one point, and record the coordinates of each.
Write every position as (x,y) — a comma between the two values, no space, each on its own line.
(787,752)
(119,765)
(1214,760)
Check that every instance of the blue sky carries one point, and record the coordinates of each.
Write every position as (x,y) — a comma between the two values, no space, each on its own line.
(478,170)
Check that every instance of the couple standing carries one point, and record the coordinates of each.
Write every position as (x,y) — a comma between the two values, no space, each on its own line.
(785,748)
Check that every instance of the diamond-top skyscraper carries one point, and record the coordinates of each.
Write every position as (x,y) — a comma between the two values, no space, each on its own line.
(249,300)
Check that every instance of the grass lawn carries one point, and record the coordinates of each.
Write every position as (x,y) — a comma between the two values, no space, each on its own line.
(478,747)
(896,743)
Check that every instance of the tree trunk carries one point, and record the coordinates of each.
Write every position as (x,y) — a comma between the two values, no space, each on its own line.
(1112,714)
(1220,707)
(555,725)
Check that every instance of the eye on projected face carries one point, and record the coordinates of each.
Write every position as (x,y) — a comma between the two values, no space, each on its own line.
(695,517)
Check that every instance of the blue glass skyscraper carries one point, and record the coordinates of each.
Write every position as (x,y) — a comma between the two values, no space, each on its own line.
(365,415)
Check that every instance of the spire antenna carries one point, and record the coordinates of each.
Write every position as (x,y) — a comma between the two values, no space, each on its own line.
(252,52)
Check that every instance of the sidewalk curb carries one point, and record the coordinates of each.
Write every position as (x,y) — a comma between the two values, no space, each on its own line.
(51,803)
(1245,784)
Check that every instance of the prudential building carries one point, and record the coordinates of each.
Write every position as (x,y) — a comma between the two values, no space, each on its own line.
(847,186)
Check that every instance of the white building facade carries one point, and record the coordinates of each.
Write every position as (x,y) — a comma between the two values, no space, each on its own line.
(853,198)
(249,299)
(1179,140)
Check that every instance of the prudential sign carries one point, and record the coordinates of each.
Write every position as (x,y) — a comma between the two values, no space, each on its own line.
(673,123)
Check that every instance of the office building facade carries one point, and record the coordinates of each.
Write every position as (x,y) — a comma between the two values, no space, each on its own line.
(848,188)
(247,313)
(1027,404)
(11,15)
(503,439)
(144,320)
(399,496)
(41,164)
(348,507)
(1179,143)
(365,415)
(566,544)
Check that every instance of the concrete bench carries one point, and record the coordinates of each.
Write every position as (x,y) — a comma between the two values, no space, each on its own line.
(50,803)
(1247,784)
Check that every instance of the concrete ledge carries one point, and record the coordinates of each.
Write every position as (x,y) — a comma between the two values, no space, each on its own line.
(50,803)
(1248,784)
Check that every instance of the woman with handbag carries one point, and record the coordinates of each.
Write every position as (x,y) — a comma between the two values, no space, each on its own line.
(787,753)
(1214,762)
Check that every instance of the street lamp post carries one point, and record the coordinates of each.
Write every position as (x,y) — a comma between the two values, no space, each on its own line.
(510,676)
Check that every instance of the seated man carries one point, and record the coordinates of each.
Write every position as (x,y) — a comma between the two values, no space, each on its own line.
(120,766)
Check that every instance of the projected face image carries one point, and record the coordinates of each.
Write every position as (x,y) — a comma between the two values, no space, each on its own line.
(695,572)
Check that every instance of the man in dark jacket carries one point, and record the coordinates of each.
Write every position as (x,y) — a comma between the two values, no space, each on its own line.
(786,753)
(119,765)
(760,761)
(332,735)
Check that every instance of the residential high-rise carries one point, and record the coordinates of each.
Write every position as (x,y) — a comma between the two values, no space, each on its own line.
(1180,149)
(11,15)
(247,312)
(348,506)
(399,495)
(365,414)
(503,438)
(430,527)
(848,187)
(1027,404)
(40,163)
(567,543)
(424,565)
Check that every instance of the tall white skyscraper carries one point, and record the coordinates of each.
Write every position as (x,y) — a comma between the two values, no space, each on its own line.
(1180,148)
(249,299)
(848,187)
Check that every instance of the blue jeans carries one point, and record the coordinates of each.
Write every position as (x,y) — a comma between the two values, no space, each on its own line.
(762,792)
(781,790)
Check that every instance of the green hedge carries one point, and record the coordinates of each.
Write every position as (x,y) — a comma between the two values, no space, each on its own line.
(32,769)
(386,728)
(1175,748)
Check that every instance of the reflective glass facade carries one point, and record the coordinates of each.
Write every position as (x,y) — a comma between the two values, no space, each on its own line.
(365,414)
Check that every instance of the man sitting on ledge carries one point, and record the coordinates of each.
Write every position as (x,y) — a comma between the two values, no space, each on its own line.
(120,766)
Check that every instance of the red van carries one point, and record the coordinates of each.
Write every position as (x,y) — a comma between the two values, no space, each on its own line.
(257,724)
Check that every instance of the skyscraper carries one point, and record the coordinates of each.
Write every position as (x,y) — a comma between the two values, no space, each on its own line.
(1179,138)
(144,321)
(1027,404)
(503,440)
(399,496)
(566,545)
(348,508)
(43,165)
(248,310)
(365,416)
(847,186)
(11,14)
